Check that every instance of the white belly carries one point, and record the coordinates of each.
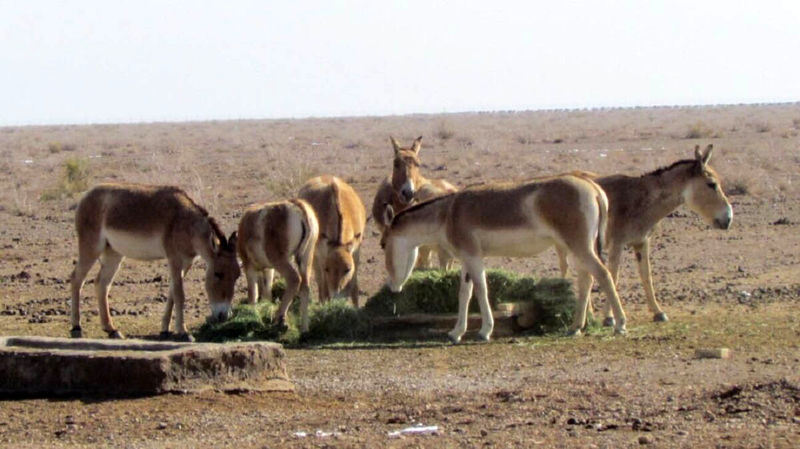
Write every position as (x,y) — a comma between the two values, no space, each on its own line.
(513,243)
(136,246)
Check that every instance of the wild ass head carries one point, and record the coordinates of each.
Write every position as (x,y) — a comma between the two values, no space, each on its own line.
(339,266)
(405,171)
(703,193)
(222,271)
(400,253)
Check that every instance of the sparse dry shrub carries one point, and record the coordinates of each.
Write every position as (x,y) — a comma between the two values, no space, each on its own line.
(796,123)
(762,127)
(74,180)
(699,130)
(285,182)
(57,147)
(444,131)
(738,186)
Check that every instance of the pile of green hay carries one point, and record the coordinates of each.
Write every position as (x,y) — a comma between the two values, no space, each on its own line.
(428,291)
(433,291)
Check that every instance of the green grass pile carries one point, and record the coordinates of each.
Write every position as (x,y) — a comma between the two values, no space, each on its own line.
(427,291)
(247,323)
(433,291)
(337,320)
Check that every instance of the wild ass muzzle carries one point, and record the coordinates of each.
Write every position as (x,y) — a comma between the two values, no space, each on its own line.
(271,237)
(406,186)
(637,204)
(342,218)
(114,221)
(506,219)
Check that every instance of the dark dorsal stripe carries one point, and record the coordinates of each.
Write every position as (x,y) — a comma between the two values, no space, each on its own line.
(418,206)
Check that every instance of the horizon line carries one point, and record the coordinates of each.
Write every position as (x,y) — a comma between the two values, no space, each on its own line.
(410,114)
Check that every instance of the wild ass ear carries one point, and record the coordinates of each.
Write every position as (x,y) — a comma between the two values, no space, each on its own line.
(232,241)
(388,215)
(395,145)
(707,154)
(417,145)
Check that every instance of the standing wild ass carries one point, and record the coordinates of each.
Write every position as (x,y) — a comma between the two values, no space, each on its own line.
(506,219)
(637,204)
(271,237)
(114,221)
(407,186)
(342,218)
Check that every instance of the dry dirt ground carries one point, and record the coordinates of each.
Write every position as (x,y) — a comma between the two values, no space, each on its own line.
(738,289)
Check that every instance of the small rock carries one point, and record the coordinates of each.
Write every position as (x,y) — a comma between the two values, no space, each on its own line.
(484,433)
(161,426)
(645,439)
(682,433)
(712,353)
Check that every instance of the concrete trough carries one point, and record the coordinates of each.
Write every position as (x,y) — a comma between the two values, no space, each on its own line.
(42,366)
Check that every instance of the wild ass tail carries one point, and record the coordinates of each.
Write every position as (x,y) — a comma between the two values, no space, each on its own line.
(304,256)
(602,203)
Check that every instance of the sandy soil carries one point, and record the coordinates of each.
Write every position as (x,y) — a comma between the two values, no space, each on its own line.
(738,289)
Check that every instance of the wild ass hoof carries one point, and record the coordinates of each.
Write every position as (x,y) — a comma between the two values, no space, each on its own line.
(621,331)
(186,338)
(454,339)
(609,322)
(115,335)
(281,325)
(485,338)
(573,333)
(660,317)
(76,332)
(165,335)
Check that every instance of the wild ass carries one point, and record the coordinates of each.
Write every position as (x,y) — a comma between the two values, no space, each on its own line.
(637,204)
(342,218)
(271,237)
(114,221)
(506,219)
(407,186)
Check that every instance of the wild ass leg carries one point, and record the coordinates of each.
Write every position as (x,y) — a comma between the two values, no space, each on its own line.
(86,258)
(464,295)
(425,254)
(292,278)
(643,259)
(563,264)
(589,262)
(109,265)
(584,284)
(265,284)
(614,256)
(487,319)
(254,283)
(446,261)
(353,284)
(322,282)
(176,299)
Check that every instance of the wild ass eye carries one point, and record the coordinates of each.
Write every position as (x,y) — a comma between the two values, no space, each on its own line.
(219,275)
(712,185)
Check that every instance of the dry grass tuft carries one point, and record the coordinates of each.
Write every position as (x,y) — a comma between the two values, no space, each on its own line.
(74,180)
(444,131)
(738,186)
(699,130)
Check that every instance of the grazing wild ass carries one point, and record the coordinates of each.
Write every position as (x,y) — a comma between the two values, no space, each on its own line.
(405,187)
(342,218)
(114,221)
(506,219)
(271,237)
(637,204)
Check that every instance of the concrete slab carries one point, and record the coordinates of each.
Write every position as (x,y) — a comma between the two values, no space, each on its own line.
(43,366)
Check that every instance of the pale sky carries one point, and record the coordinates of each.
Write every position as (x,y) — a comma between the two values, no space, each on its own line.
(131,61)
